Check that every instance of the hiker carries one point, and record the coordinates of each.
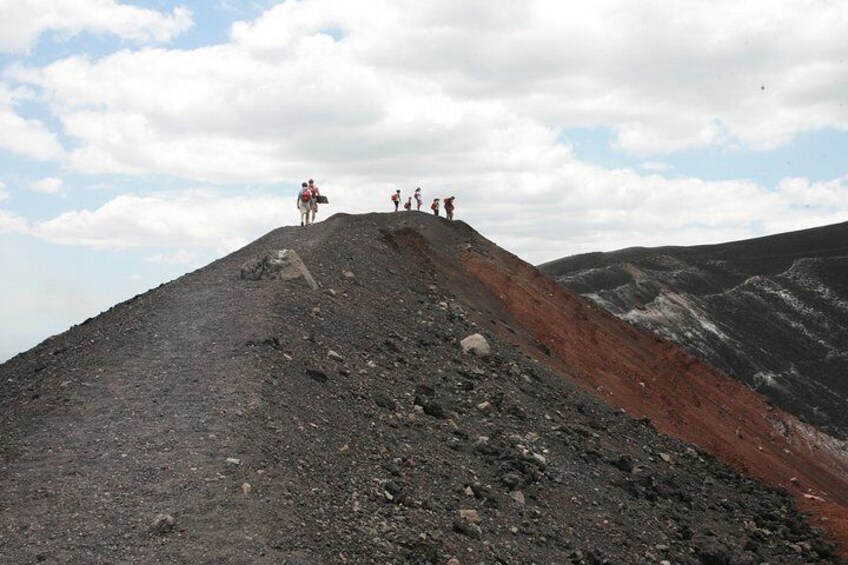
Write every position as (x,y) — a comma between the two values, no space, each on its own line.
(396,199)
(449,207)
(304,203)
(418,200)
(315,194)
(408,205)
(435,206)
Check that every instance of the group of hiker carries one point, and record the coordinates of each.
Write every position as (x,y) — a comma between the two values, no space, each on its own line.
(419,200)
(309,197)
(307,202)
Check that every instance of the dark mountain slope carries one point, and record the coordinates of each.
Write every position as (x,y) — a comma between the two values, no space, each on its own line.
(398,448)
(772,311)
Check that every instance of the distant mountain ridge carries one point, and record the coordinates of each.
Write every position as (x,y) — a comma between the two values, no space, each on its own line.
(771,312)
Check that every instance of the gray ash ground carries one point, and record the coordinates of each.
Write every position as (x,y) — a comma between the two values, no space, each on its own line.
(398,448)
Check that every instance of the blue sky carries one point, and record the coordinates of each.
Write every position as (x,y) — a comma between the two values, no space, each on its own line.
(140,140)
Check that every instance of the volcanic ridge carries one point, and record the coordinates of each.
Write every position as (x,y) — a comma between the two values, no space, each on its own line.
(771,312)
(307,400)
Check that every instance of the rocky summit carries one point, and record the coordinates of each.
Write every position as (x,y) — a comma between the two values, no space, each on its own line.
(390,388)
(771,312)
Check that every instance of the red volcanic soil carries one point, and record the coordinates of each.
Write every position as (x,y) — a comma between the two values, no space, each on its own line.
(650,377)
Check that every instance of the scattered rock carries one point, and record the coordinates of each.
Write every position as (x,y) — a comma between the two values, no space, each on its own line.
(467,529)
(485,407)
(517,496)
(430,407)
(623,463)
(384,401)
(233,462)
(162,524)
(470,515)
(284,264)
(394,492)
(510,480)
(335,356)
(477,345)
(317,375)
(711,551)
(246,488)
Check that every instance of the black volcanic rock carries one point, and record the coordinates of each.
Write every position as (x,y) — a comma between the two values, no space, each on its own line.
(771,312)
(178,403)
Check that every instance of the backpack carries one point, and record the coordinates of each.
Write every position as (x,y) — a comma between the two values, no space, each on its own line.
(306,195)
(434,205)
(395,197)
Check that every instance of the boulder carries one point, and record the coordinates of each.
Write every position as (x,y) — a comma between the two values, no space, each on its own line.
(283,264)
(477,345)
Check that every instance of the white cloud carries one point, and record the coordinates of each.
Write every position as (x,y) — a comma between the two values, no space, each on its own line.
(26,137)
(470,98)
(179,257)
(376,86)
(182,221)
(4,194)
(23,21)
(48,185)
(12,223)
(539,216)
(655,167)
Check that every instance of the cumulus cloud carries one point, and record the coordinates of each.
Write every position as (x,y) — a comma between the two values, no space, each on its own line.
(4,194)
(25,137)
(577,209)
(48,185)
(179,257)
(183,220)
(470,98)
(367,85)
(12,223)
(655,166)
(23,21)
